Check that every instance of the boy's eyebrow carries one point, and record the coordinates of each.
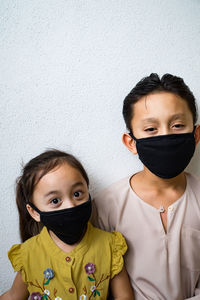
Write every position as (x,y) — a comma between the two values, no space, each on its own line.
(150,120)
(178,116)
(173,117)
(56,192)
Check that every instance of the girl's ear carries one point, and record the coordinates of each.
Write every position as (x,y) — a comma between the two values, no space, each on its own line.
(129,143)
(197,134)
(34,214)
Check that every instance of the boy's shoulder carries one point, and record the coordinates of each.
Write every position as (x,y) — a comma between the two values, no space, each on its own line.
(192,177)
(194,182)
(115,190)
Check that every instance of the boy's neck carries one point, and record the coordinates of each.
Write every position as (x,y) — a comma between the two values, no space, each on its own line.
(158,183)
(150,182)
(159,193)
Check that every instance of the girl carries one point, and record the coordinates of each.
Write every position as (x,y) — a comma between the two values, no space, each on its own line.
(62,255)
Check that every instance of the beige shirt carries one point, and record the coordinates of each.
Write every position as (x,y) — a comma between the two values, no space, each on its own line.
(161,265)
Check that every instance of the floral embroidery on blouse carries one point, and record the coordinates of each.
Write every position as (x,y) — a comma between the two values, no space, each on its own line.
(90,270)
(36,296)
(48,274)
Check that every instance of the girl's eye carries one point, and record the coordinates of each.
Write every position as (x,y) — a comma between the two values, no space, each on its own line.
(55,201)
(77,194)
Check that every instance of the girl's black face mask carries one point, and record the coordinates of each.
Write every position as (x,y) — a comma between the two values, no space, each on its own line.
(68,224)
(166,155)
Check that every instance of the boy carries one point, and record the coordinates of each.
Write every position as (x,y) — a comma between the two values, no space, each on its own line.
(158,208)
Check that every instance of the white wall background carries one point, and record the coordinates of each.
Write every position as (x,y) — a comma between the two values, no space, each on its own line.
(65,67)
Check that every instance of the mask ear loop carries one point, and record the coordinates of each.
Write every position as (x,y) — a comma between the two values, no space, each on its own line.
(132,136)
(28,202)
(34,207)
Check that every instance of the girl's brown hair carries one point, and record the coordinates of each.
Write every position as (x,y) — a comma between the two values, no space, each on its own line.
(32,172)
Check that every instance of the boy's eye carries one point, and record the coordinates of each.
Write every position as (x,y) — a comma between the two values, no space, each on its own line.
(178,125)
(150,129)
(77,194)
(55,201)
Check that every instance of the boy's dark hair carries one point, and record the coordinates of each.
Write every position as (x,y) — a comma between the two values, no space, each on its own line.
(152,84)
(32,172)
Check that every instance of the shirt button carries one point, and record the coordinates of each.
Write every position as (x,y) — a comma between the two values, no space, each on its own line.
(161,209)
(68,259)
(71,290)
(170,208)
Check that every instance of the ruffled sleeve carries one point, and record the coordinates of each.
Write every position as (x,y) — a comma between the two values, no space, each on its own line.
(118,250)
(15,256)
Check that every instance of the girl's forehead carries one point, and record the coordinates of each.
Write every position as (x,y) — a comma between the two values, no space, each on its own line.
(62,172)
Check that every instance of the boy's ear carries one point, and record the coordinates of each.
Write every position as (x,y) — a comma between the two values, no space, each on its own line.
(34,214)
(129,142)
(197,134)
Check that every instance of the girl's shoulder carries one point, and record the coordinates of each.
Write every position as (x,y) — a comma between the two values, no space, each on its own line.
(19,253)
(113,246)
(28,244)
(114,239)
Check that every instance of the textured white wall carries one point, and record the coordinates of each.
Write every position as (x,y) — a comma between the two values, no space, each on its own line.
(66,66)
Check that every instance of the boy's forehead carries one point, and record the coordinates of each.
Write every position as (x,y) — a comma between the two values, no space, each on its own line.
(159,105)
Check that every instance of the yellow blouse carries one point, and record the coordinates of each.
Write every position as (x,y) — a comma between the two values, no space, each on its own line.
(83,273)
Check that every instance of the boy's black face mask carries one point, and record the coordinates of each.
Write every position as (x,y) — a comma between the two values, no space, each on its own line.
(68,224)
(166,155)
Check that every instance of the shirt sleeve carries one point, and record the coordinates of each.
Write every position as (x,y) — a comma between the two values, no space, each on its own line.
(119,248)
(197,292)
(94,219)
(15,257)
(104,211)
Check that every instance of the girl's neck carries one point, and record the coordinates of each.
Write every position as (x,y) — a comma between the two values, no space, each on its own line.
(63,246)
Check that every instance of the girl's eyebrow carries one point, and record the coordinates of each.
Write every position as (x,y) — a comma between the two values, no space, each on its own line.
(56,192)
(51,193)
(77,184)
